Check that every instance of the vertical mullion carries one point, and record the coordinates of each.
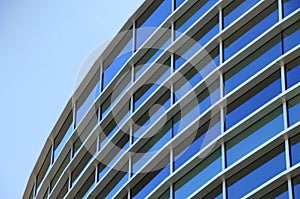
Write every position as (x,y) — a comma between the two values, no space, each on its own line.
(280,10)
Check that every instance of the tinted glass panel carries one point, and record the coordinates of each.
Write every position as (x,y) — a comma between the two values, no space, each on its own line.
(253,99)
(44,169)
(252,64)
(295,149)
(87,186)
(192,15)
(293,72)
(289,6)
(278,193)
(266,168)
(291,36)
(60,171)
(255,135)
(198,176)
(215,194)
(236,9)
(294,110)
(152,18)
(250,31)
(296,187)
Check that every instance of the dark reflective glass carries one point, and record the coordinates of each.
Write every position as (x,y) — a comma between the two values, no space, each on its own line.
(255,135)
(197,141)
(252,64)
(250,31)
(296,187)
(289,6)
(278,193)
(151,19)
(149,182)
(236,9)
(192,15)
(291,36)
(197,72)
(87,186)
(253,99)
(293,72)
(294,110)
(43,170)
(266,168)
(295,149)
(215,194)
(58,173)
(197,41)
(198,176)
(165,195)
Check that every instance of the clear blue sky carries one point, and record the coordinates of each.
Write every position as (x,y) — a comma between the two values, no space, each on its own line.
(42,46)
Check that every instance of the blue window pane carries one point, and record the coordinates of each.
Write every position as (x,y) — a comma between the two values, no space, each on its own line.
(196,74)
(197,41)
(293,72)
(296,187)
(152,145)
(291,36)
(250,31)
(150,116)
(293,110)
(295,149)
(252,64)
(192,15)
(278,193)
(178,3)
(156,13)
(236,9)
(198,176)
(266,168)
(253,99)
(255,135)
(150,182)
(197,141)
(84,106)
(289,6)
(114,66)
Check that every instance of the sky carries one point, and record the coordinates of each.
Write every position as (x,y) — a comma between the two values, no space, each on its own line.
(42,46)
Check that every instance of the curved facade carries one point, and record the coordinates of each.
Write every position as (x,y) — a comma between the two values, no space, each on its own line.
(192,99)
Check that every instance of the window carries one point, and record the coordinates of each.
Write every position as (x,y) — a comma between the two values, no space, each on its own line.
(295,149)
(292,72)
(191,78)
(296,187)
(265,167)
(197,41)
(236,9)
(197,141)
(293,110)
(250,31)
(178,3)
(215,194)
(280,192)
(291,36)
(151,19)
(198,176)
(43,170)
(256,134)
(87,186)
(192,15)
(253,99)
(289,6)
(253,63)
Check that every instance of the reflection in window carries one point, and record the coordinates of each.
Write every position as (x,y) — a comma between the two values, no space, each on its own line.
(197,141)
(252,64)
(150,116)
(294,110)
(266,168)
(289,6)
(197,41)
(292,72)
(197,72)
(236,9)
(291,36)
(151,19)
(250,31)
(295,149)
(114,62)
(253,99)
(255,135)
(198,176)
(195,12)
(280,192)
(151,180)
(152,144)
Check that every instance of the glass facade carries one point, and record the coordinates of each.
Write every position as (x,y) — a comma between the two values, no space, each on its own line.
(194,112)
